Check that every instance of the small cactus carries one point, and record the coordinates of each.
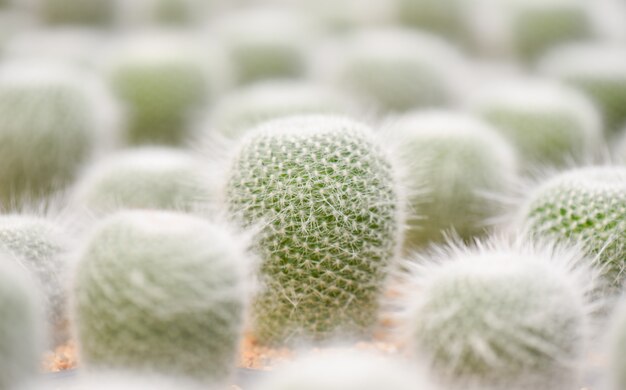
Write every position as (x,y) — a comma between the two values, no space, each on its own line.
(343,370)
(160,292)
(547,122)
(584,205)
(616,350)
(51,121)
(20,334)
(325,200)
(454,164)
(599,71)
(76,12)
(247,107)
(512,316)
(147,178)
(392,70)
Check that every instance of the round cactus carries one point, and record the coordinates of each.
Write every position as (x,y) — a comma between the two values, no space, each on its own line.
(20,334)
(245,108)
(325,200)
(83,12)
(41,247)
(163,80)
(343,370)
(599,71)
(147,178)
(547,122)
(585,205)
(265,43)
(617,348)
(502,315)
(160,292)
(51,121)
(453,163)
(392,70)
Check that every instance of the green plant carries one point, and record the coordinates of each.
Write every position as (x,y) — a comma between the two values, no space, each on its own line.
(454,165)
(500,315)
(584,205)
(325,201)
(145,178)
(160,292)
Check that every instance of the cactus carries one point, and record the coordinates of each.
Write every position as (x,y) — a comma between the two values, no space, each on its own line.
(160,292)
(265,43)
(599,71)
(584,205)
(325,200)
(454,165)
(41,247)
(549,124)
(501,315)
(51,121)
(616,369)
(393,70)
(20,335)
(76,12)
(247,107)
(443,17)
(163,79)
(149,178)
(343,370)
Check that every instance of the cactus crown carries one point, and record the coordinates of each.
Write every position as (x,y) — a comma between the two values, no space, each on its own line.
(513,315)
(329,210)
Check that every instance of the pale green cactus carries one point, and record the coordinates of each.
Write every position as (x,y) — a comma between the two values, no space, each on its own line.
(587,206)
(81,12)
(144,178)
(597,70)
(21,336)
(160,292)
(455,165)
(243,109)
(501,315)
(548,123)
(339,369)
(325,200)
(52,119)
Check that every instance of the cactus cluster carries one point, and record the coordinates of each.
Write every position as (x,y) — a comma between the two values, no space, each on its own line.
(501,315)
(326,202)
(455,165)
(160,292)
(144,178)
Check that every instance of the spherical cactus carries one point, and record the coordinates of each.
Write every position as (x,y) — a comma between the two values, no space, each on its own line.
(343,370)
(392,70)
(454,164)
(163,80)
(145,178)
(616,350)
(548,123)
(41,247)
(444,17)
(160,292)
(501,315)
(51,121)
(585,205)
(20,320)
(599,71)
(247,107)
(324,198)
(76,12)
(265,43)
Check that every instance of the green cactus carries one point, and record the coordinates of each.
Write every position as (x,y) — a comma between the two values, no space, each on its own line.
(338,369)
(548,123)
(501,315)
(247,107)
(599,71)
(145,178)
(394,70)
(454,164)
(585,205)
(21,339)
(325,199)
(160,292)
(82,12)
(162,80)
(616,369)
(51,121)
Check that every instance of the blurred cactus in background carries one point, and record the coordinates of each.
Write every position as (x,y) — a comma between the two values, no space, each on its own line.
(77,12)
(443,17)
